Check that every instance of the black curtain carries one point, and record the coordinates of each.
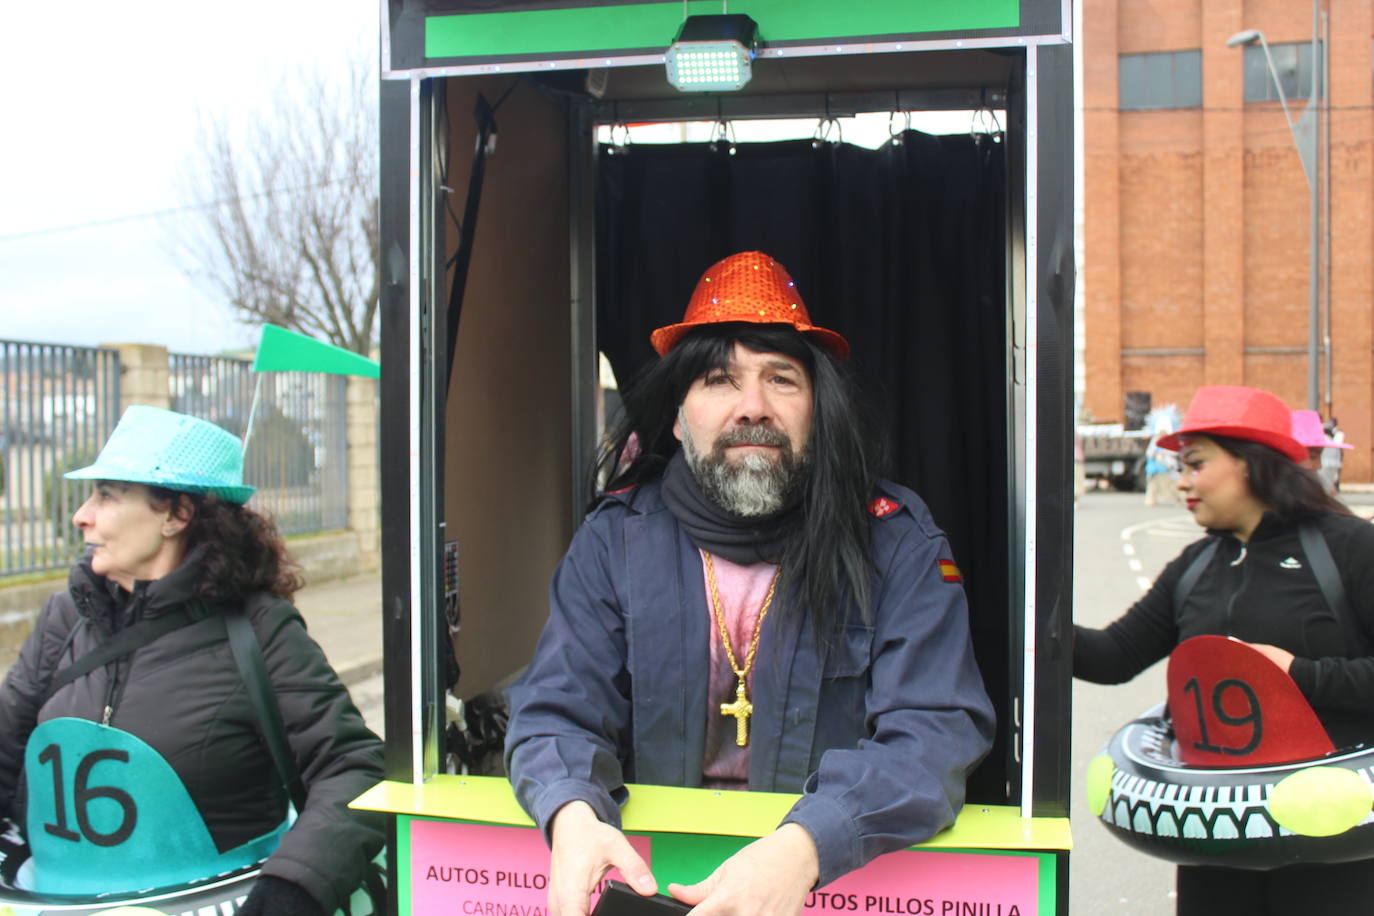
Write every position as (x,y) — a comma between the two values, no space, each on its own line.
(900,249)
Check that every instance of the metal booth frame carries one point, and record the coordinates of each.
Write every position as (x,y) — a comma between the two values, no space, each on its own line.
(413,385)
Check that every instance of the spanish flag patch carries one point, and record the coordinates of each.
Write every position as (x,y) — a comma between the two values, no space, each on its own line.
(882,507)
(949,572)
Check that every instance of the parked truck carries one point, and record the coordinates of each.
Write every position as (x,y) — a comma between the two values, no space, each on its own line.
(1114,454)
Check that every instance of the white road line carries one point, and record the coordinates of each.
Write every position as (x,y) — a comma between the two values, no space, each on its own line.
(1130,530)
(1174,526)
(1171,526)
(1192,534)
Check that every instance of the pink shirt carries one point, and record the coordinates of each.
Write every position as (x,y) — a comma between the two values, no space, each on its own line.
(742,590)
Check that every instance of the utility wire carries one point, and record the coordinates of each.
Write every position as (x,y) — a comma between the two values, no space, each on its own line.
(261,195)
(185,208)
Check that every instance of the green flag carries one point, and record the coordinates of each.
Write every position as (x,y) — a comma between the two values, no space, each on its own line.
(281,350)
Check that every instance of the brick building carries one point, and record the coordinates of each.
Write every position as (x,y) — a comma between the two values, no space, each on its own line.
(1196,207)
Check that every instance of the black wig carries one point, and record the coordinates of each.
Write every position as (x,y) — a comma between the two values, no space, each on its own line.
(827,556)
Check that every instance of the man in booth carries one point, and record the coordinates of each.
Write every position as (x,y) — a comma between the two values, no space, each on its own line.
(748,606)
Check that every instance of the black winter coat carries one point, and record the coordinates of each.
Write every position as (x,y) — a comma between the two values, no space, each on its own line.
(183,695)
(1268,596)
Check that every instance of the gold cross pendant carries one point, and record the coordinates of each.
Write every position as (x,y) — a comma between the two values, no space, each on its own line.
(741,709)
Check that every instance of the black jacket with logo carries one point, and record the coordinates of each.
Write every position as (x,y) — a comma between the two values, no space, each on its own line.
(1263,591)
(183,694)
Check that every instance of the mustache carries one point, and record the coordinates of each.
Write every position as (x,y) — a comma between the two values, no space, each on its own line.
(752,435)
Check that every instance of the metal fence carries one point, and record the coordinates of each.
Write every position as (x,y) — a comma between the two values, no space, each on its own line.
(58,404)
(297,454)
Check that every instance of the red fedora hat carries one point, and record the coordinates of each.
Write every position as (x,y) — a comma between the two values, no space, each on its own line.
(1239,412)
(749,287)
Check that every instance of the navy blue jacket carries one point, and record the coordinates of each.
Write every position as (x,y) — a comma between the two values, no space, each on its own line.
(879,734)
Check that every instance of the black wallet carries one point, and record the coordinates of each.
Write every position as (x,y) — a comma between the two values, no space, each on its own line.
(619,900)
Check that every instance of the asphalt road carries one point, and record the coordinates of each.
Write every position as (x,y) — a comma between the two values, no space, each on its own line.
(1120,545)
(367,696)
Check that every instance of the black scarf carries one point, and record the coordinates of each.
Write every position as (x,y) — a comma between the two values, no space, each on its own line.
(740,540)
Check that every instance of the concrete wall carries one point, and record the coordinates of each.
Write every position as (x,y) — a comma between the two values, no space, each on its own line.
(364,473)
(1196,221)
(143,375)
(322,557)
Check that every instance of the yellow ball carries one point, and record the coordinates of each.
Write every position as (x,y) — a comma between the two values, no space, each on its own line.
(1320,801)
(132,911)
(1099,780)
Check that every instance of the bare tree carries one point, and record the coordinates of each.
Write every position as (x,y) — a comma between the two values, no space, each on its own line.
(286,226)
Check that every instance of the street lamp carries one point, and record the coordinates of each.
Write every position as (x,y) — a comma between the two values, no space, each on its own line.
(1249,37)
(1304,133)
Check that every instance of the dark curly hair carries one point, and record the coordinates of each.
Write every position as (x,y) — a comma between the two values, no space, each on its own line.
(246,553)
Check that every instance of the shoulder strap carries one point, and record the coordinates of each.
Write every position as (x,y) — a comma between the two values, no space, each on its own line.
(243,643)
(1194,572)
(123,643)
(1329,579)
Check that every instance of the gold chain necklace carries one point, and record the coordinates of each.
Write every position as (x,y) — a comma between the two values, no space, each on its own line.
(741,708)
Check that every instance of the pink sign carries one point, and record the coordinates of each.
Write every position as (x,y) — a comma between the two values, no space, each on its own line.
(481,870)
(911,883)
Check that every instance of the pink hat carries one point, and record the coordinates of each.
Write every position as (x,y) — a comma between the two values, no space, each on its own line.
(1239,412)
(1307,429)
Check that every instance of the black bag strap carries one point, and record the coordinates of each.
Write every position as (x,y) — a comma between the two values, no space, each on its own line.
(243,643)
(125,642)
(247,651)
(1194,572)
(1329,580)
(1323,567)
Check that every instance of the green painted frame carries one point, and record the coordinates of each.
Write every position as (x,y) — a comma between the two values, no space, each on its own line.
(683,858)
(639,27)
(698,828)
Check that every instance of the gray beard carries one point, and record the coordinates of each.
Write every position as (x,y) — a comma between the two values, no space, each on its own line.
(754,487)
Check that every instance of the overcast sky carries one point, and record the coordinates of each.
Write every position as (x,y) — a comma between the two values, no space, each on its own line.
(99,111)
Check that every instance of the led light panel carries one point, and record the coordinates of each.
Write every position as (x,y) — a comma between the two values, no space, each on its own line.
(708,66)
(712,53)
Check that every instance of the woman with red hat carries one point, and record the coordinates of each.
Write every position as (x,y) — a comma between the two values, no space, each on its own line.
(1256,577)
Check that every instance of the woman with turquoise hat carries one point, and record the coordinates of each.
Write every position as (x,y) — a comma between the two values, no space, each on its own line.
(132,753)
(1285,568)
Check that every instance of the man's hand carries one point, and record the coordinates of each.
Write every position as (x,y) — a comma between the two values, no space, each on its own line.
(584,849)
(769,877)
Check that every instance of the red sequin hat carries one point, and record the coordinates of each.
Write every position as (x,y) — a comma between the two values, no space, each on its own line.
(750,287)
(1239,412)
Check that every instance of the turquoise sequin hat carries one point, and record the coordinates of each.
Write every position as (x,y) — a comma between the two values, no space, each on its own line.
(168,449)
